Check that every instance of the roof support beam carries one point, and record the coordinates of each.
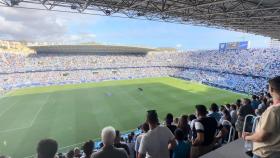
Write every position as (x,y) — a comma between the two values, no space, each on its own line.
(189,6)
(237,11)
(5,2)
(247,15)
(245,18)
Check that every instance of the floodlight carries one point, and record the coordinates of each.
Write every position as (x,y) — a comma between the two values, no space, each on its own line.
(107,12)
(14,2)
(74,7)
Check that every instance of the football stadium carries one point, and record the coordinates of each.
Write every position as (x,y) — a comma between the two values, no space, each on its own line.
(91,100)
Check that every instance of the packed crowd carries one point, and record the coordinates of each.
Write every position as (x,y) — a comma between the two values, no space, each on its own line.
(245,70)
(256,62)
(189,136)
(29,79)
(47,62)
(240,83)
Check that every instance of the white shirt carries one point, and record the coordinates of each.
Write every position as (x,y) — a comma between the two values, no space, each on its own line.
(192,123)
(155,143)
(234,116)
(138,141)
(198,126)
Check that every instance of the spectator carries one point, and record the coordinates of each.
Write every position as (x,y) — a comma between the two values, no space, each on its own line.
(184,126)
(222,107)
(233,114)
(238,104)
(262,107)
(77,152)
(224,127)
(131,145)
(268,96)
(108,135)
(214,112)
(154,143)
(227,106)
(176,121)
(192,119)
(118,143)
(266,139)
(255,102)
(61,155)
(245,109)
(145,129)
(205,129)
(88,149)
(70,154)
(133,136)
(182,148)
(47,148)
(169,121)
(226,116)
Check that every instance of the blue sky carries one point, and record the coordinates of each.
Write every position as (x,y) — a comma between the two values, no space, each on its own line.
(159,34)
(54,26)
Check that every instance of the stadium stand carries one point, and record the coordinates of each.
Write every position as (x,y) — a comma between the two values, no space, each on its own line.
(243,71)
(241,83)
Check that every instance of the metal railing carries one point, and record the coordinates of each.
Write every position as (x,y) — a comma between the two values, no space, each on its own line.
(246,120)
(231,135)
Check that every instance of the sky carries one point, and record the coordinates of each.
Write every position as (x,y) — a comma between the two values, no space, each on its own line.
(46,26)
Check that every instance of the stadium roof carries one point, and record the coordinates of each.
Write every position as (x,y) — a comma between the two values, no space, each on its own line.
(253,16)
(88,49)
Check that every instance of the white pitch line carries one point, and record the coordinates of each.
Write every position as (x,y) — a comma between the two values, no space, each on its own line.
(36,115)
(7,109)
(29,126)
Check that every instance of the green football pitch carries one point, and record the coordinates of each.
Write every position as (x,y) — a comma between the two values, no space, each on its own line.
(72,114)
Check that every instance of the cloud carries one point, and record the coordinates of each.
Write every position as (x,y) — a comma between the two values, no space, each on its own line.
(41,26)
(78,38)
(29,25)
(178,45)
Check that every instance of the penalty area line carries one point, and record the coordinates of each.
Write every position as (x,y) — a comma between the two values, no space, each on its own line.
(29,126)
